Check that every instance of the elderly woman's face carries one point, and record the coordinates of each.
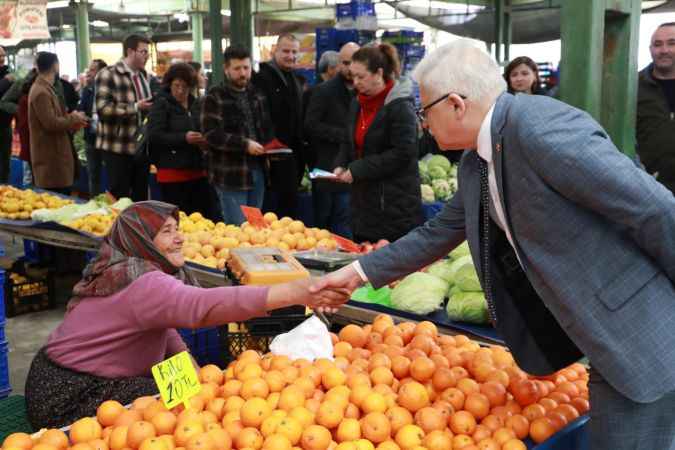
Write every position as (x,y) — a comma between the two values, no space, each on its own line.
(169,242)
(366,82)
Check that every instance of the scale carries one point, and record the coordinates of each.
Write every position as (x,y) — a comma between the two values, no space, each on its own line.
(263,266)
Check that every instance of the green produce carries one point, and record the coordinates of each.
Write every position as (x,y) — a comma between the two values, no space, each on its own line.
(424,172)
(458,263)
(427,193)
(440,161)
(419,293)
(459,251)
(438,173)
(441,189)
(466,278)
(453,290)
(441,269)
(468,307)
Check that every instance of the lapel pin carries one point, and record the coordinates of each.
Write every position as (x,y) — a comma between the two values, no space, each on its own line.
(498,147)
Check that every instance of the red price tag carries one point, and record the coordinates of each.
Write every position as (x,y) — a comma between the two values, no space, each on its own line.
(253,216)
(346,245)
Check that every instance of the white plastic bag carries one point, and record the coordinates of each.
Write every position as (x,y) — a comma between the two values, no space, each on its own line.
(309,340)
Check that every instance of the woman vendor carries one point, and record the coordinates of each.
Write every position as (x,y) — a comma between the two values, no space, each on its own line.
(123,317)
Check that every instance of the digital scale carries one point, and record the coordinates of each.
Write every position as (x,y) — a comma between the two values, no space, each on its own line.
(263,266)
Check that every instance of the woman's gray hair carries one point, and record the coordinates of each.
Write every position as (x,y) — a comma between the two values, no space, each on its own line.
(460,67)
(328,59)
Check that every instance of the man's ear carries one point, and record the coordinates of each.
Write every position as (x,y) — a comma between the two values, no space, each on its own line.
(457,104)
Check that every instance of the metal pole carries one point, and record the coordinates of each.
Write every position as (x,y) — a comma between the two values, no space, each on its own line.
(241,23)
(508,31)
(197,25)
(82,36)
(619,75)
(582,26)
(216,32)
(499,29)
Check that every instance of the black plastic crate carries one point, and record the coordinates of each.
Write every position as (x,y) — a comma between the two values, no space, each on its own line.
(257,335)
(13,416)
(31,295)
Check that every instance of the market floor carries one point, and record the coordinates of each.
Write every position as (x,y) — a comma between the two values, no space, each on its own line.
(27,333)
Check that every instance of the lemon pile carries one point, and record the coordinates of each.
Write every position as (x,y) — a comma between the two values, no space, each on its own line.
(17,204)
(96,224)
(209,244)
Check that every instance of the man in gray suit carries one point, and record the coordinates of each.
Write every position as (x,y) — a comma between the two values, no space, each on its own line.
(574,245)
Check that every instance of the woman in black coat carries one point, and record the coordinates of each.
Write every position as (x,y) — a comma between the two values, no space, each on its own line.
(380,158)
(175,146)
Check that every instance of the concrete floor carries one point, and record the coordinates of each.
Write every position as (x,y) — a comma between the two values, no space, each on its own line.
(27,333)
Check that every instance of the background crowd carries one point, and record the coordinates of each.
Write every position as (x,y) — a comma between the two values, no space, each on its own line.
(252,138)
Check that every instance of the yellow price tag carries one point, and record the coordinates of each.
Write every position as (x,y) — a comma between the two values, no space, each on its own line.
(176,379)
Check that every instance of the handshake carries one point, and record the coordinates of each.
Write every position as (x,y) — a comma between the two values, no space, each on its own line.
(324,294)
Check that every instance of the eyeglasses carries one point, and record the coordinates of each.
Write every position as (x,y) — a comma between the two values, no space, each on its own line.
(422,112)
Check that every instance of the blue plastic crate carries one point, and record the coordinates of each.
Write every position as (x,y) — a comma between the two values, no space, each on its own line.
(31,251)
(343,11)
(2,303)
(3,337)
(204,345)
(5,388)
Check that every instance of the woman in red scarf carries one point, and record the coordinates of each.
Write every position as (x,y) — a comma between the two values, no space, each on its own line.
(380,160)
(123,317)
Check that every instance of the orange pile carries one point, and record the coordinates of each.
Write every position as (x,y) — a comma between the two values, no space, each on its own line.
(390,387)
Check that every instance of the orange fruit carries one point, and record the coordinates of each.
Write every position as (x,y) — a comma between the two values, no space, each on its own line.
(316,437)
(422,369)
(342,348)
(348,430)
(376,427)
(108,411)
(118,438)
(503,434)
(382,375)
(209,392)
(580,404)
(438,440)
(291,428)
(254,387)
(477,404)
(525,392)
(398,417)
(519,424)
(185,430)
(39,446)
(248,438)
(230,388)
(400,366)
(541,429)
(216,406)
(462,422)
(221,439)
(275,380)
(548,404)
(332,377)
(442,379)
(329,415)
(254,411)
(302,415)
(468,385)
(514,444)
(409,436)
(154,444)
(277,442)
(128,417)
(413,396)
(85,430)
(211,373)
(291,396)
(18,440)
(374,402)
(354,335)
(55,438)
(534,411)
(493,422)
(138,432)
(430,419)
(81,446)
(152,409)
(164,422)
(455,397)
(200,442)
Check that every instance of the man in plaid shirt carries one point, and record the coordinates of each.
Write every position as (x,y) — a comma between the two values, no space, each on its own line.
(123,97)
(236,123)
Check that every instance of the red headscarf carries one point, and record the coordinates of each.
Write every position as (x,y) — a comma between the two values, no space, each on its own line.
(128,252)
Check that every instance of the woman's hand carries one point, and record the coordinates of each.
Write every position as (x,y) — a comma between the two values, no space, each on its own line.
(343,175)
(297,293)
(194,138)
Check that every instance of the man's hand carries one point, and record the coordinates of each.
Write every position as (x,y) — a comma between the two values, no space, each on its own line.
(254,148)
(82,120)
(144,104)
(298,293)
(343,175)
(194,138)
(346,278)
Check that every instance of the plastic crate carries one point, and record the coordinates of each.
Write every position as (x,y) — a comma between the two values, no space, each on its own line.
(204,345)
(256,334)
(5,387)
(29,296)
(13,417)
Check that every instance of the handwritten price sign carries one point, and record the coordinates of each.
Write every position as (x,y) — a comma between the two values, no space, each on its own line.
(176,379)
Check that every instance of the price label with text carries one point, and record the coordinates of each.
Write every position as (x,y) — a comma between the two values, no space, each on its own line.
(176,379)
(253,216)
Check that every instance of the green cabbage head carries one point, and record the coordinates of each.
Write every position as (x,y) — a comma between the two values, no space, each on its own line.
(466,278)
(419,293)
(468,307)
(441,189)
(438,173)
(440,161)
(441,269)
(427,193)
(459,251)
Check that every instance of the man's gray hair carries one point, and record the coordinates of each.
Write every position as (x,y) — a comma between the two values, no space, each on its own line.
(460,67)
(328,59)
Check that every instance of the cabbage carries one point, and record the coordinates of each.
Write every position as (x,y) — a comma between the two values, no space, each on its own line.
(453,290)
(468,307)
(438,173)
(466,278)
(452,173)
(439,161)
(419,293)
(459,263)
(459,251)
(441,269)
(441,189)
(122,204)
(427,193)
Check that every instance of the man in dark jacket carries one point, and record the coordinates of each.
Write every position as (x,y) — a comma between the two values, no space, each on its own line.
(655,123)
(86,105)
(283,91)
(6,81)
(326,126)
(236,124)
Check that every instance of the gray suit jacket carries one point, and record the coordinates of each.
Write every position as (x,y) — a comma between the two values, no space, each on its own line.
(595,234)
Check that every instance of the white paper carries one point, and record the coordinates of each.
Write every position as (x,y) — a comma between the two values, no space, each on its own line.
(309,340)
(319,173)
(277,151)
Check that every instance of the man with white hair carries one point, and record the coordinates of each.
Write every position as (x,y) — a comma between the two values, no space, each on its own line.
(573,244)
(328,65)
